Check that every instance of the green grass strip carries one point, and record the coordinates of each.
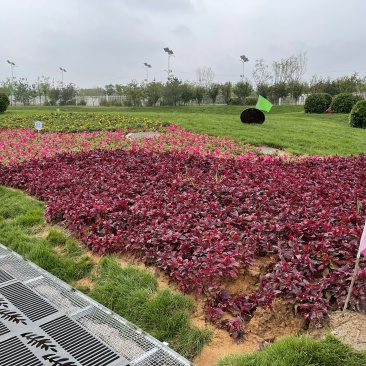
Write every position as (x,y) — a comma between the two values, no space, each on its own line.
(133,293)
(300,351)
(21,226)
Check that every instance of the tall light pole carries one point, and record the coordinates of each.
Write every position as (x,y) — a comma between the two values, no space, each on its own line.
(170,53)
(243,59)
(147,67)
(62,76)
(12,65)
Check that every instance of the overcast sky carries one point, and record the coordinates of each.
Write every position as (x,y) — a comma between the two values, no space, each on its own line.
(102,42)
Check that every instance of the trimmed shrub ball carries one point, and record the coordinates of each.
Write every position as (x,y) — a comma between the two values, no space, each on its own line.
(4,102)
(357,116)
(317,103)
(343,103)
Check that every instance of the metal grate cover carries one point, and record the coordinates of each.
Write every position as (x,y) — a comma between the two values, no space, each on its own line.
(29,303)
(4,277)
(44,321)
(14,353)
(78,342)
(3,329)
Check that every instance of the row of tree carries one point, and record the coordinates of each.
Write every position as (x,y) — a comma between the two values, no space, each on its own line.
(283,79)
(49,94)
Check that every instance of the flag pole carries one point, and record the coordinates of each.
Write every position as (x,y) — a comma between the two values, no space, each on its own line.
(352,282)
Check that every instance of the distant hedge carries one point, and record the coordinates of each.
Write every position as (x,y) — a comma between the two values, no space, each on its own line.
(358,115)
(343,103)
(4,102)
(250,101)
(317,103)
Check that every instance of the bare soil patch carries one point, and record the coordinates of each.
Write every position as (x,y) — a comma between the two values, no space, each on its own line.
(267,326)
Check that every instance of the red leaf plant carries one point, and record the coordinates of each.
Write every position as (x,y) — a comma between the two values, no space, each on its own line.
(204,220)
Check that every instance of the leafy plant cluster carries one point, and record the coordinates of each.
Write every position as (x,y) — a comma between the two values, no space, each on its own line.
(4,102)
(343,103)
(204,220)
(317,103)
(358,115)
(17,145)
(76,122)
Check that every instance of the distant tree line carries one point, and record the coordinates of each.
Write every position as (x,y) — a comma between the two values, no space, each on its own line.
(47,94)
(283,79)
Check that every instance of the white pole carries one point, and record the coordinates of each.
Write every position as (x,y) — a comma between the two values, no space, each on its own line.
(168,66)
(352,282)
(361,250)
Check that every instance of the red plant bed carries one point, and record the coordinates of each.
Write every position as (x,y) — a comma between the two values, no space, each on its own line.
(204,219)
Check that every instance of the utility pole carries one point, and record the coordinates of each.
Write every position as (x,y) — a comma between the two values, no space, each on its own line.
(62,76)
(147,67)
(243,59)
(170,53)
(12,65)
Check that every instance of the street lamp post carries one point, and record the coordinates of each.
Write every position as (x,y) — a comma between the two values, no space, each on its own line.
(62,76)
(12,65)
(147,67)
(243,59)
(170,53)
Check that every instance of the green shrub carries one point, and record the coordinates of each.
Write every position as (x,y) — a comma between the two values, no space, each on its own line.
(343,103)
(357,116)
(115,103)
(127,103)
(317,103)
(250,101)
(4,102)
(233,101)
(104,103)
(82,102)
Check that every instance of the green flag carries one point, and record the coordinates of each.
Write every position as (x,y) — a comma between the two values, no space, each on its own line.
(263,104)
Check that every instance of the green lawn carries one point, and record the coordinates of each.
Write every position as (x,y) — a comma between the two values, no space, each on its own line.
(300,351)
(285,127)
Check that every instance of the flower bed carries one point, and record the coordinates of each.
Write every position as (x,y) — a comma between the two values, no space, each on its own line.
(76,122)
(23,144)
(204,219)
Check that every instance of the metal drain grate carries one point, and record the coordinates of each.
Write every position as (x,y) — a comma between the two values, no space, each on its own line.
(125,339)
(79,343)
(14,353)
(4,276)
(3,329)
(44,321)
(12,264)
(29,303)
(64,299)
